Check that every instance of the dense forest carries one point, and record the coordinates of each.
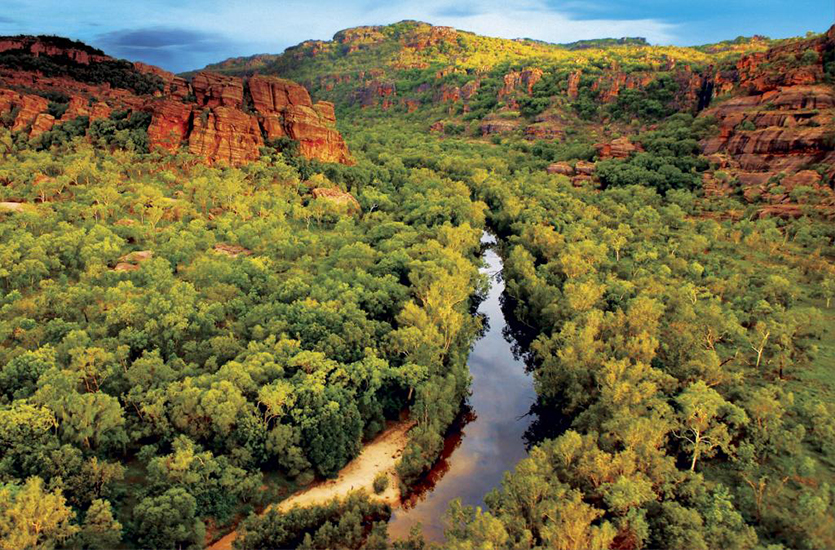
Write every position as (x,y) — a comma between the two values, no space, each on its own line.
(184,345)
(199,328)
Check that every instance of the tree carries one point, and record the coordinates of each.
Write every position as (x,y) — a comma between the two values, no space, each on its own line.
(332,429)
(100,529)
(169,521)
(760,340)
(91,419)
(276,398)
(827,289)
(216,485)
(616,239)
(471,528)
(706,421)
(30,517)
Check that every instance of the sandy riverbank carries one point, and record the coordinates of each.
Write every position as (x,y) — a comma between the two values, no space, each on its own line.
(381,454)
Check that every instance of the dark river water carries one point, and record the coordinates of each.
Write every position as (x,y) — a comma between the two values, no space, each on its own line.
(491,435)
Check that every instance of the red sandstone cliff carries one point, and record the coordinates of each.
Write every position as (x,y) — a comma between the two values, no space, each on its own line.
(220,118)
(777,130)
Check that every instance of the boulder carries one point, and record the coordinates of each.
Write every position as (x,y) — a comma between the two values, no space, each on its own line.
(619,148)
(338,196)
(561,168)
(231,250)
(584,168)
(137,256)
(12,206)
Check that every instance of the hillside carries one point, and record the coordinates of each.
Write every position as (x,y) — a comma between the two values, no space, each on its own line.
(771,100)
(411,65)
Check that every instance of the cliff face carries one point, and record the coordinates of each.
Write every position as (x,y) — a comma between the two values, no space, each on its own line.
(220,118)
(777,131)
(285,109)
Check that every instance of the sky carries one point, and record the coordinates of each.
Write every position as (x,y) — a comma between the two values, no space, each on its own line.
(180,35)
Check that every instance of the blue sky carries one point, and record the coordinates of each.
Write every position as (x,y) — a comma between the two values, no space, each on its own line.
(186,34)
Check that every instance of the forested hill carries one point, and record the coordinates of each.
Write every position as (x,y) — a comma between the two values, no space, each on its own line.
(412,66)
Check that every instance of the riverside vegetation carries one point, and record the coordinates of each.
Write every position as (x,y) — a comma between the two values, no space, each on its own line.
(182,344)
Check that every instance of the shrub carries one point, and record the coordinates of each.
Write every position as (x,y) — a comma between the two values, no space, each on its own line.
(342,524)
(123,130)
(381,482)
(57,109)
(810,57)
(63,133)
(453,129)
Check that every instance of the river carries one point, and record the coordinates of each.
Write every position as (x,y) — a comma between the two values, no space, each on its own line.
(490,437)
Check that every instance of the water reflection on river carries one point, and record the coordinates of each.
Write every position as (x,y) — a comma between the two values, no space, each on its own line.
(491,435)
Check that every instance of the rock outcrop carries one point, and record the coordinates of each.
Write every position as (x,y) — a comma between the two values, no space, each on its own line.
(29,107)
(339,197)
(560,168)
(53,46)
(619,148)
(574,84)
(777,126)
(519,82)
(221,118)
(493,125)
(215,90)
(285,109)
(227,135)
(43,123)
(376,93)
(170,124)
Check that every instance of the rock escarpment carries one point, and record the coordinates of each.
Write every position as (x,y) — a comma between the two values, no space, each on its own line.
(220,118)
(778,132)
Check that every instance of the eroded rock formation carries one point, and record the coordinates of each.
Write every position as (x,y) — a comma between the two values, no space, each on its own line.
(221,118)
(338,197)
(777,127)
